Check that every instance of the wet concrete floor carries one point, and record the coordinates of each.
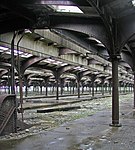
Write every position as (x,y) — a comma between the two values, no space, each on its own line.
(90,133)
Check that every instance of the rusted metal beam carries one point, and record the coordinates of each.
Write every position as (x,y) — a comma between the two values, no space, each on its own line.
(93,27)
(29,62)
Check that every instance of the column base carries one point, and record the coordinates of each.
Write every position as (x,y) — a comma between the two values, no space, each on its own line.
(115,125)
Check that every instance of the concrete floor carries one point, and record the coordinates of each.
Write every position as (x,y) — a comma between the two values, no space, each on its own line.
(91,133)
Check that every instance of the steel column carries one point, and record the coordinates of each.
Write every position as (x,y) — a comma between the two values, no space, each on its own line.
(102,88)
(78,85)
(73,87)
(93,84)
(12,65)
(13,76)
(9,83)
(41,87)
(61,85)
(134,89)
(57,77)
(46,89)
(57,88)
(115,94)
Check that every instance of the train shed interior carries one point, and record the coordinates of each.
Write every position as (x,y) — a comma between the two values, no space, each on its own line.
(57,53)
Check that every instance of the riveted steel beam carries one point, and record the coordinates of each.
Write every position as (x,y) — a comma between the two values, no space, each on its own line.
(41,49)
(65,69)
(128,59)
(30,61)
(104,16)
(92,27)
(126,29)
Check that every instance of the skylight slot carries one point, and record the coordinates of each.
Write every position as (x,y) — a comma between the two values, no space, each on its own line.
(3,48)
(68,9)
(26,55)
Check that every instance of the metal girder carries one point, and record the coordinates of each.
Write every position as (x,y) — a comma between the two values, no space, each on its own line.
(86,73)
(132,44)
(106,2)
(62,70)
(3,72)
(92,27)
(96,5)
(124,64)
(46,67)
(102,78)
(126,29)
(5,65)
(104,16)
(65,51)
(128,59)
(93,61)
(30,61)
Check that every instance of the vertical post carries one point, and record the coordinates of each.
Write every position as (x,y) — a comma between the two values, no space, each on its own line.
(57,77)
(41,87)
(13,76)
(93,84)
(21,90)
(9,83)
(110,85)
(53,86)
(12,66)
(115,94)
(26,80)
(46,89)
(90,87)
(61,85)
(93,88)
(129,88)
(120,83)
(78,85)
(102,87)
(134,89)
(26,88)
(96,86)
(73,84)
(67,87)
(46,79)
(82,87)
(124,90)
(21,97)
(70,84)
(57,88)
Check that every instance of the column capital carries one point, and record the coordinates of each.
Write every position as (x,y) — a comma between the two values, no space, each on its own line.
(115,57)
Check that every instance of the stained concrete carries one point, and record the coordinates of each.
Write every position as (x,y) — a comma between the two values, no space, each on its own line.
(91,133)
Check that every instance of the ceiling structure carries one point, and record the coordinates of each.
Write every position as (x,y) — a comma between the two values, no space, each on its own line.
(96,19)
(94,25)
(90,27)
